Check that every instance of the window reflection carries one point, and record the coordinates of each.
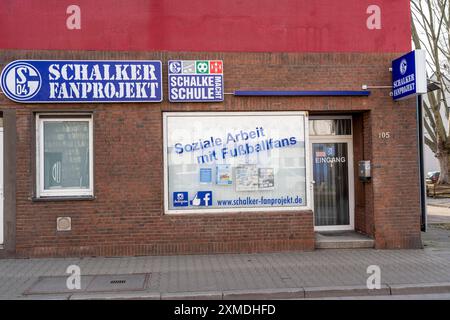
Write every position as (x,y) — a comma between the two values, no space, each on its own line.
(331,127)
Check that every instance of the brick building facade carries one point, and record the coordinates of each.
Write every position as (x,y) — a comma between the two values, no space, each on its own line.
(126,214)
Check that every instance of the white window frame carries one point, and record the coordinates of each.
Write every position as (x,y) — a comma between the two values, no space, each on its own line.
(40,191)
(306,207)
(351,181)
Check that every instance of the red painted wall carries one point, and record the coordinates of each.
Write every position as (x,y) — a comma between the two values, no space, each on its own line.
(207,25)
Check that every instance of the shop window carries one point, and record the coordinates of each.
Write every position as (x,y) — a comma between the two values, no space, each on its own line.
(246,161)
(330,127)
(64,155)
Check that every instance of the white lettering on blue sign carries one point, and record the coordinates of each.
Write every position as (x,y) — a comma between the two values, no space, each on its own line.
(409,75)
(35,81)
(195,80)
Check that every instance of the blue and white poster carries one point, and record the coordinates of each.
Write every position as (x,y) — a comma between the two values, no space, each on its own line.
(195,80)
(224,174)
(57,81)
(205,175)
(409,75)
(180,199)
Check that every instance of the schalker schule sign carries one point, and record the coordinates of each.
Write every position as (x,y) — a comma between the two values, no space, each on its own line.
(195,80)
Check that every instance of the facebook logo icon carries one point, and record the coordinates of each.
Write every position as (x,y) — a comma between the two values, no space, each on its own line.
(202,198)
(180,199)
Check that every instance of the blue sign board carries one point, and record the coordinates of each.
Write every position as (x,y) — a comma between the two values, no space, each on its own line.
(195,80)
(202,199)
(180,199)
(409,75)
(57,81)
(205,175)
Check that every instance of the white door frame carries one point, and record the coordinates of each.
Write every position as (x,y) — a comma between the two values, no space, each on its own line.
(351,183)
(1,188)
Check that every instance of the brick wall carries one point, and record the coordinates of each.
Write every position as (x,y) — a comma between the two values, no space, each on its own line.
(126,217)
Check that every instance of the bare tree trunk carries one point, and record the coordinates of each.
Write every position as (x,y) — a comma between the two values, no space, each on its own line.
(443,158)
(430,25)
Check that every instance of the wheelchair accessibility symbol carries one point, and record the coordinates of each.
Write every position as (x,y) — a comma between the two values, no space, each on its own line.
(20,81)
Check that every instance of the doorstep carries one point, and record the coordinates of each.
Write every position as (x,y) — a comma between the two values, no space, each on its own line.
(342,240)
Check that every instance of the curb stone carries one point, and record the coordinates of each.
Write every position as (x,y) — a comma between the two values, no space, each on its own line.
(408,289)
(345,291)
(117,296)
(207,295)
(260,294)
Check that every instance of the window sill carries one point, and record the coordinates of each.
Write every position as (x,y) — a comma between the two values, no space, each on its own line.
(63,198)
(236,211)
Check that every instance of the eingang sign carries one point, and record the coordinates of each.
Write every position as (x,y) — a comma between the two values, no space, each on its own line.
(409,75)
(57,81)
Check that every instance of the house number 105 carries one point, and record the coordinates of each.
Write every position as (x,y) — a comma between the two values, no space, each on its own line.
(384,135)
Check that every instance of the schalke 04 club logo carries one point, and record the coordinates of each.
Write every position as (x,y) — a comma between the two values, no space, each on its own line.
(20,81)
(403,66)
(175,66)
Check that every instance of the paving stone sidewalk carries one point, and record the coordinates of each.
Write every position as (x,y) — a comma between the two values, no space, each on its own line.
(218,273)
(215,275)
(438,202)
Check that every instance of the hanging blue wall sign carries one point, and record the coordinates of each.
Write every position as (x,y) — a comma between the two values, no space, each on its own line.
(409,76)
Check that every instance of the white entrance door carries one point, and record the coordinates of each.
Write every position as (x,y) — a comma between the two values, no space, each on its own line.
(1,185)
(332,183)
